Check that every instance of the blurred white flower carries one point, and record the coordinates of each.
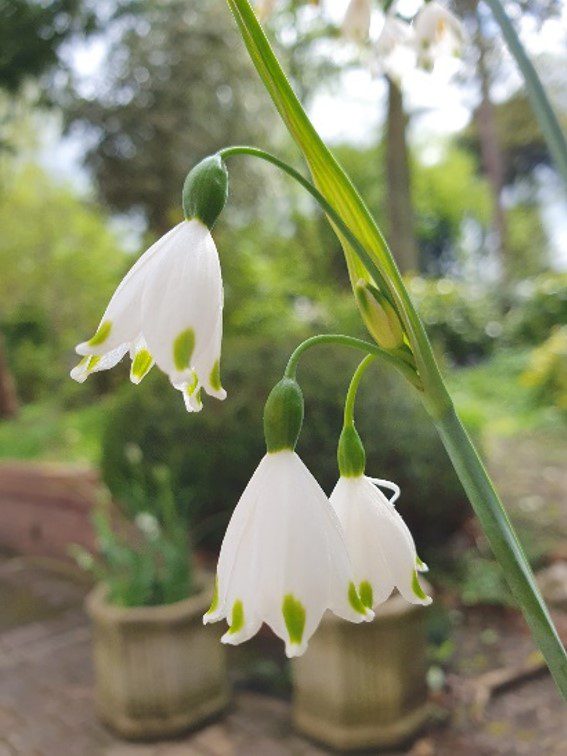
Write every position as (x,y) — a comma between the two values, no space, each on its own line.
(437,33)
(283,559)
(395,49)
(380,545)
(356,23)
(167,310)
(148,524)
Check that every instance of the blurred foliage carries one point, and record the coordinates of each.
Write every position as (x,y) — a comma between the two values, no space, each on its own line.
(468,321)
(31,34)
(400,441)
(152,567)
(547,371)
(59,263)
(170,66)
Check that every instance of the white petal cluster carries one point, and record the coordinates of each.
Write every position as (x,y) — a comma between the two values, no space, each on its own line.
(380,545)
(283,559)
(167,310)
(395,49)
(356,23)
(437,32)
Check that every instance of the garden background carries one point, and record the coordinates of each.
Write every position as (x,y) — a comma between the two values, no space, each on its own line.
(104,107)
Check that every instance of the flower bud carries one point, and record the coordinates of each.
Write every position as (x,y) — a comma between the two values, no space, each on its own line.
(379,316)
(283,416)
(205,190)
(350,453)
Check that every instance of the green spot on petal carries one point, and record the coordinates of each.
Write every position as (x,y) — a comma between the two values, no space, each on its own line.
(215,600)
(294,616)
(416,587)
(93,361)
(354,599)
(237,619)
(141,364)
(214,378)
(193,385)
(183,349)
(101,335)
(366,594)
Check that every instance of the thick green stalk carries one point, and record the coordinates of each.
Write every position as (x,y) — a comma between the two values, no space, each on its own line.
(337,189)
(544,112)
(504,543)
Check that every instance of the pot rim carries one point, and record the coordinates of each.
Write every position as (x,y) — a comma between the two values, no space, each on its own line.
(98,608)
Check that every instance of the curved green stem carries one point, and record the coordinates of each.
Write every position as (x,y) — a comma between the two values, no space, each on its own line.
(350,341)
(359,248)
(541,105)
(353,388)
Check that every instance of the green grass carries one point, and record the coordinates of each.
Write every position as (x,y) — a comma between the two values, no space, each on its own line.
(45,431)
(491,397)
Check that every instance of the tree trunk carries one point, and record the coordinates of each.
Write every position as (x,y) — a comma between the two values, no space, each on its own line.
(8,399)
(491,154)
(400,210)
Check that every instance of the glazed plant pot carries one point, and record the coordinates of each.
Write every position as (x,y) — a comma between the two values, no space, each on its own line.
(158,670)
(364,686)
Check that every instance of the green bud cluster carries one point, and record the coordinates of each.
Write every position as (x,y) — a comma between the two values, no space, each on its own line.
(283,416)
(205,191)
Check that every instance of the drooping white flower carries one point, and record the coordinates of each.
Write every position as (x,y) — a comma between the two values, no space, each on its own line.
(167,310)
(356,23)
(395,49)
(437,32)
(381,547)
(283,559)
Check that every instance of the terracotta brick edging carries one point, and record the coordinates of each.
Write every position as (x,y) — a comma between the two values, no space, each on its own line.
(46,507)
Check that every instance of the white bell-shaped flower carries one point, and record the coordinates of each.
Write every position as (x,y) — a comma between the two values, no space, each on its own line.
(167,310)
(381,547)
(283,559)
(437,33)
(395,49)
(356,23)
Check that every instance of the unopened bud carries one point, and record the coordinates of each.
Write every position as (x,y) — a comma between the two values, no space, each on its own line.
(379,316)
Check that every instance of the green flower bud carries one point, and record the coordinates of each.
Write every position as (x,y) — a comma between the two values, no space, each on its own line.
(350,453)
(283,416)
(205,190)
(379,316)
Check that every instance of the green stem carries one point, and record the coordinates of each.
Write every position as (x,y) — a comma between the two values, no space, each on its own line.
(544,112)
(389,357)
(353,388)
(504,543)
(362,253)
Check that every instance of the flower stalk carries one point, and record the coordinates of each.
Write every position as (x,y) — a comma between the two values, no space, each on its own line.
(374,263)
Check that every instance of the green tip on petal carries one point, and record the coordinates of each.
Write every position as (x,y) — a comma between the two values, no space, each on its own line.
(183,347)
(354,599)
(101,335)
(141,365)
(366,594)
(418,590)
(214,378)
(294,617)
(215,600)
(237,618)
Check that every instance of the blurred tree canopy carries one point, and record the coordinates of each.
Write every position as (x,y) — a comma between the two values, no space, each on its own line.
(176,85)
(31,34)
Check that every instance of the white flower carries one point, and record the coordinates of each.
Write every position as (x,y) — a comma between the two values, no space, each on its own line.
(356,23)
(148,524)
(395,50)
(167,310)
(283,559)
(437,32)
(380,544)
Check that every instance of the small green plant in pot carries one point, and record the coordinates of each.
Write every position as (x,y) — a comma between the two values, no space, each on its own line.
(158,671)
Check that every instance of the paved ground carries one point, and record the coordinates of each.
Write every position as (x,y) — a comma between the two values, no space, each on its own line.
(46,706)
